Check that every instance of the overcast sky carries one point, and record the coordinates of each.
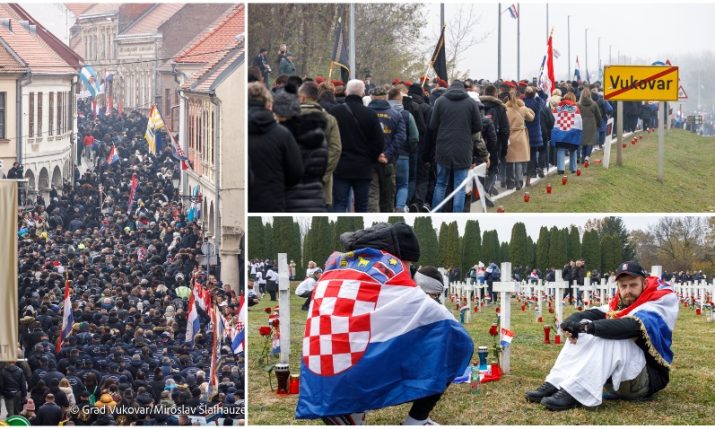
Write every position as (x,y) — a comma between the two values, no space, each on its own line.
(649,31)
(503,223)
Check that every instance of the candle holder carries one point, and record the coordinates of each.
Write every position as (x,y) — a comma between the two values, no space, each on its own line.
(557,339)
(282,371)
(548,188)
(483,352)
(547,333)
(294,384)
(564,180)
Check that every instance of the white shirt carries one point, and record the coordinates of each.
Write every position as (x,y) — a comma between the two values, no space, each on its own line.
(306,285)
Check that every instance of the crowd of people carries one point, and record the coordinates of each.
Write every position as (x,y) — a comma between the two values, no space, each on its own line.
(319,144)
(130,256)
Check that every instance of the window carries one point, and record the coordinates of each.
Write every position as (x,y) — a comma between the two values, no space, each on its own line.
(39,114)
(68,108)
(51,114)
(31,116)
(167,102)
(60,106)
(2,115)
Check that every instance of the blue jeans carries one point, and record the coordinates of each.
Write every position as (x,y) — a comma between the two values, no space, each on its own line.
(402,178)
(441,187)
(413,177)
(586,151)
(561,154)
(341,194)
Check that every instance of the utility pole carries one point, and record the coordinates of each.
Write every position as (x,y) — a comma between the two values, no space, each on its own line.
(568,30)
(518,41)
(499,44)
(351,53)
(588,78)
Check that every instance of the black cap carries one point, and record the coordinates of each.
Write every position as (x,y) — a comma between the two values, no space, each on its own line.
(632,268)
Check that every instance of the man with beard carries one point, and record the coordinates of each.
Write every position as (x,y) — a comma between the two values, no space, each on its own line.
(621,350)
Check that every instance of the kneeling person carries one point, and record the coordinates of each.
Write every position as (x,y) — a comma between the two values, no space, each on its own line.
(622,347)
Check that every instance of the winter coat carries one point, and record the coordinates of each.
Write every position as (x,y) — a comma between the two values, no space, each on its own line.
(286,67)
(361,146)
(591,119)
(275,161)
(412,132)
(547,124)
(335,147)
(49,414)
(106,401)
(536,104)
(606,112)
(309,132)
(12,381)
(494,108)
(455,118)
(518,150)
(394,127)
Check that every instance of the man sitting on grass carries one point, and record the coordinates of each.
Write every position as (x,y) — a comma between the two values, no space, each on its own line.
(623,346)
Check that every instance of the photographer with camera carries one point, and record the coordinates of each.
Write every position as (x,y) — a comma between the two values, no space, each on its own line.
(261,61)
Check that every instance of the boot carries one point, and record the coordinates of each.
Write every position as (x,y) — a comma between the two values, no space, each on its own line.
(543,391)
(560,401)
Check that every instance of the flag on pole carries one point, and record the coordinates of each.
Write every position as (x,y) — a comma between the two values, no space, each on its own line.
(132,192)
(340,53)
(439,59)
(506,337)
(557,54)
(67,318)
(9,237)
(192,325)
(178,153)
(547,81)
(216,320)
(154,124)
(513,11)
(113,156)
(89,79)
(195,209)
(238,336)
(577,71)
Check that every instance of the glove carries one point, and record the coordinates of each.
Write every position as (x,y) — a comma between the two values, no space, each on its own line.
(571,326)
(586,327)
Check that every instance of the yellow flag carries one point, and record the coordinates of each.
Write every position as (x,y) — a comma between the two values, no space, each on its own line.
(155,123)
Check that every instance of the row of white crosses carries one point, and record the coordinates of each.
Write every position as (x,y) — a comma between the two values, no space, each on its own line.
(505,288)
(284,296)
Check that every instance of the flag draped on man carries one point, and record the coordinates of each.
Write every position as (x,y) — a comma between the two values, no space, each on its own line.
(439,58)
(374,339)
(547,81)
(67,318)
(656,309)
(155,124)
(568,125)
(340,52)
(238,332)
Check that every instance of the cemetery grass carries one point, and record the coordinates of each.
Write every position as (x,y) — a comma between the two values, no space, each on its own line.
(689,399)
(689,161)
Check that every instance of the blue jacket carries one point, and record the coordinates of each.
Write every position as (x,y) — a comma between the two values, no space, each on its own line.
(534,127)
(394,128)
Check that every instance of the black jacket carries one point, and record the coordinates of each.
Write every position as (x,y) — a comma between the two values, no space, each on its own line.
(13,380)
(455,118)
(547,124)
(361,137)
(50,414)
(495,109)
(275,161)
(309,132)
(624,329)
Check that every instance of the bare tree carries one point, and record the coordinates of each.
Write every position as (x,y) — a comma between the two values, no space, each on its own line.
(462,34)
(681,241)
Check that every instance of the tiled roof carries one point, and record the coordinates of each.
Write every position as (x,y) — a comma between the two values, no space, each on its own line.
(78,8)
(219,36)
(30,47)
(202,80)
(8,62)
(154,18)
(101,8)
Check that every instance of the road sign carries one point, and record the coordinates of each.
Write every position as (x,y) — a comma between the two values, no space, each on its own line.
(682,95)
(640,83)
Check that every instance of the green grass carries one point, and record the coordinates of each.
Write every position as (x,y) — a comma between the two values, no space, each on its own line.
(689,399)
(687,185)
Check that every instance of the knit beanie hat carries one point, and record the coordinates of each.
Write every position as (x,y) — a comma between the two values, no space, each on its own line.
(286,104)
(398,239)
(430,280)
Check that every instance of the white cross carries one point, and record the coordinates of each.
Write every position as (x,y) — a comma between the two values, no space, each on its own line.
(602,292)
(284,306)
(558,285)
(587,289)
(539,290)
(506,288)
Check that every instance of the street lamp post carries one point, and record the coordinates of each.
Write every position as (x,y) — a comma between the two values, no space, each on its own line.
(588,78)
(568,37)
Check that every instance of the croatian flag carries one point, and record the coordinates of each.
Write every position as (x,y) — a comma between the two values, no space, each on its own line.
(192,325)
(112,157)
(656,309)
(513,11)
(67,318)
(238,337)
(568,125)
(547,80)
(374,339)
(506,337)
(202,297)
(577,71)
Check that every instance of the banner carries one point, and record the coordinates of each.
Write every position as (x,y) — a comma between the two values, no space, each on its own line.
(8,271)
(439,59)
(340,53)
(154,124)
(132,193)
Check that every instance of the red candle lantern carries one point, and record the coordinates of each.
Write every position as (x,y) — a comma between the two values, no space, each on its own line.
(500,209)
(523,307)
(294,384)
(564,180)
(578,171)
(585,163)
(527,197)
(548,188)
(698,312)
(540,320)
(547,334)
(557,339)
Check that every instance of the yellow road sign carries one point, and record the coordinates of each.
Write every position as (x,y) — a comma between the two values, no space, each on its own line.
(640,83)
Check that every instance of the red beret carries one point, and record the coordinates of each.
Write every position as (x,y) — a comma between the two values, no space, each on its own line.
(443,83)
(338,82)
(396,80)
(424,78)
(523,83)
(510,84)
(319,79)
(407,83)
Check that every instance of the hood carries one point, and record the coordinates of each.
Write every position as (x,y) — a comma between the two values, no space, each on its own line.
(586,101)
(456,93)
(395,105)
(490,99)
(308,129)
(379,105)
(260,120)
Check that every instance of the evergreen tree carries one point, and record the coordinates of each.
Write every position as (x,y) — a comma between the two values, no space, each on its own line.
(395,219)
(574,246)
(452,256)
(269,250)
(542,249)
(591,250)
(519,248)
(472,243)
(443,238)
(285,239)
(504,253)
(557,248)
(611,252)
(490,247)
(614,226)
(429,245)
(256,239)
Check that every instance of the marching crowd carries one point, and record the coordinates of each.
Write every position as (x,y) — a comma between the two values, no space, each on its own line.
(130,257)
(326,145)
